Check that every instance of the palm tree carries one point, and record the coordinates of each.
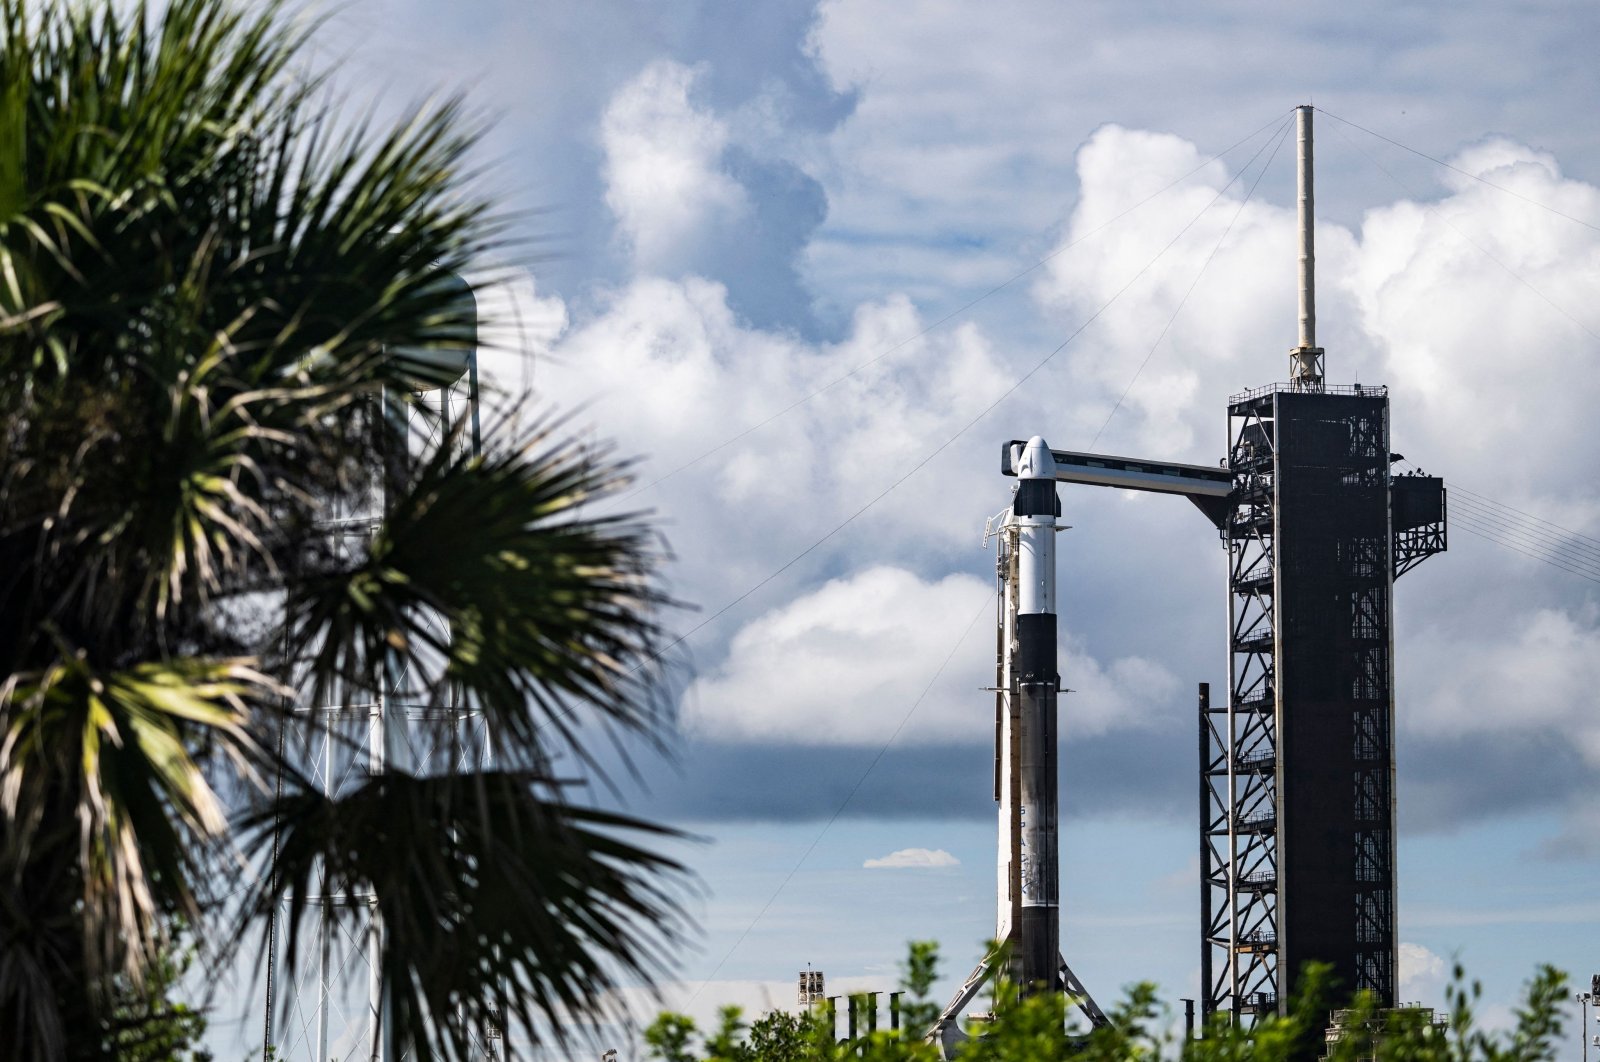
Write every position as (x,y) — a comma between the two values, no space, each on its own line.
(205,274)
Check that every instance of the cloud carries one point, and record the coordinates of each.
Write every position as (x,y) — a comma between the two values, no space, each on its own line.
(663,168)
(1189,293)
(1527,670)
(913,858)
(846,664)
(667,367)
(517,328)
(1579,838)
(689,199)
(1474,303)
(1446,779)
(1423,975)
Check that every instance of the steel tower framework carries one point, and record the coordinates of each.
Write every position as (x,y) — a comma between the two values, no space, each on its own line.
(392,722)
(1297,766)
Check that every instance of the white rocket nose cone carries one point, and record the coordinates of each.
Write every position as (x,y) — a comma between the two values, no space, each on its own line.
(1036,461)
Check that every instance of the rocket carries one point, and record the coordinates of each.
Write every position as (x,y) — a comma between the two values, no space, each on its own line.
(1026,690)
(1034,510)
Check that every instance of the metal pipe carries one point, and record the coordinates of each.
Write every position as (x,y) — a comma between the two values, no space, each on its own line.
(1305,360)
(324,929)
(472,383)
(1308,248)
(1583,999)
(1205,847)
(1035,509)
(1230,802)
(377,741)
(380,734)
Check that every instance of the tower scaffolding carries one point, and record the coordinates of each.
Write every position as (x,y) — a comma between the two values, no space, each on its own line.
(1297,767)
(352,735)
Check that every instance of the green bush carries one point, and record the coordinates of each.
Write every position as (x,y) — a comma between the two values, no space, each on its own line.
(1043,1027)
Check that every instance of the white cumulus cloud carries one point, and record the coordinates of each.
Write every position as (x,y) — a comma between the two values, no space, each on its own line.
(1527,668)
(844,664)
(913,857)
(663,167)
(669,369)
(1422,975)
(517,327)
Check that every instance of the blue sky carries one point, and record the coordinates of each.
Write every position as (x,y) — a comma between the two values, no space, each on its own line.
(730,206)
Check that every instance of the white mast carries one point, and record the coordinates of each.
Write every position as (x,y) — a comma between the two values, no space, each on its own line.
(1305,360)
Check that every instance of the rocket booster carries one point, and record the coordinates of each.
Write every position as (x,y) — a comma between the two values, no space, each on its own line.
(1035,508)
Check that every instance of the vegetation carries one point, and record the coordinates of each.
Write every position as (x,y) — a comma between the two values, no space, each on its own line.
(147,1024)
(206,276)
(1042,1027)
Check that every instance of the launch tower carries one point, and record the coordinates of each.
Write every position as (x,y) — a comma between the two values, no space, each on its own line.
(1297,823)
(1297,808)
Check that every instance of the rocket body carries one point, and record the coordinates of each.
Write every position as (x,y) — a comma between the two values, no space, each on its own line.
(1034,511)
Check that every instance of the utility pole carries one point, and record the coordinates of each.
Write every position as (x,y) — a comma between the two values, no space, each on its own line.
(1584,999)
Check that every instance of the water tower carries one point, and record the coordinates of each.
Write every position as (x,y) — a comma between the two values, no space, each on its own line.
(382,724)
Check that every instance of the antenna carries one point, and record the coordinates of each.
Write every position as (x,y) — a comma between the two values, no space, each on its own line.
(1305,361)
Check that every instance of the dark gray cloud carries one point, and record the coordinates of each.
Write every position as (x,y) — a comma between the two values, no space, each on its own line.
(708,782)
(1445,781)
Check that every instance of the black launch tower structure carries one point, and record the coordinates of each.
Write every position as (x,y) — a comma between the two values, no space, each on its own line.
(1297,842)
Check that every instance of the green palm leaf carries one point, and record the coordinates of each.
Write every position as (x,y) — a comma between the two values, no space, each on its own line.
(498,899)
(498,571)
(101,769)
(214,292)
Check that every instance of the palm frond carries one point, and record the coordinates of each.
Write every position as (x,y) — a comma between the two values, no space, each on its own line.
(203,278)
(496,569)
(211,288)
(498,900)
(101,788)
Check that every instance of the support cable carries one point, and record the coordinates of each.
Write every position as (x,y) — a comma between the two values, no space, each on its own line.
(1547,545)
(1193,283)
(948,442)
(952,315)
(1489,534)
(1459,489)
(272,915)
(1462,172)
